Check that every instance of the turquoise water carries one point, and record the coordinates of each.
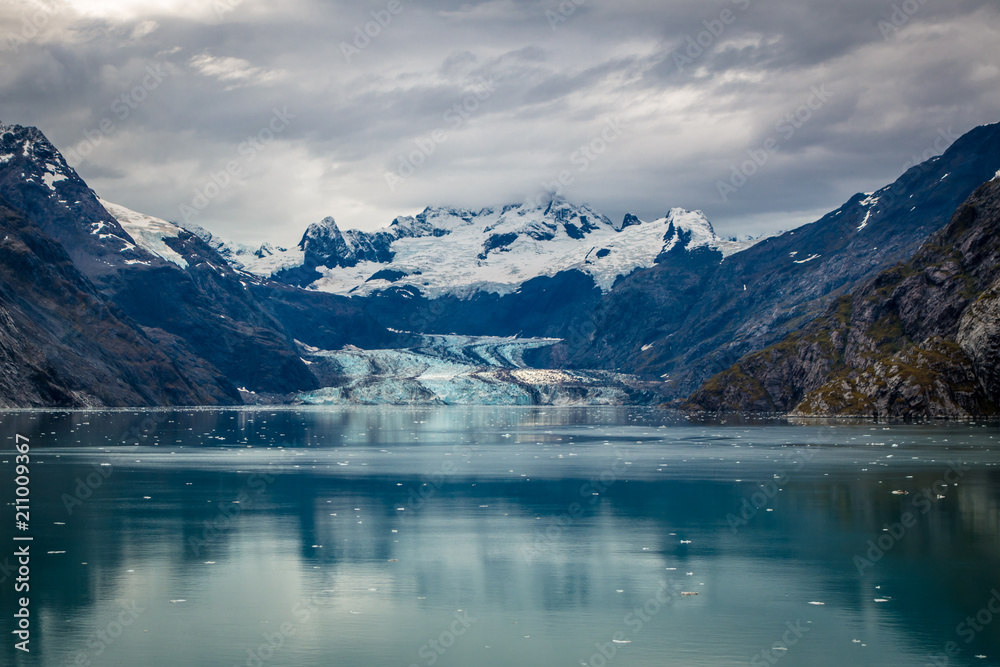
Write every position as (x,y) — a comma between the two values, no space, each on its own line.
(500,536)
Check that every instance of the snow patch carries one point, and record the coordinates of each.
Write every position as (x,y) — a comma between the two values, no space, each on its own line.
(870,200)
(148,232)
(808,259)
(51,179)
(864,223)
(266,265)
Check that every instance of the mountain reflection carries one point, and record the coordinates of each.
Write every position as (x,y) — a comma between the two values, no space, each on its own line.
(216,522)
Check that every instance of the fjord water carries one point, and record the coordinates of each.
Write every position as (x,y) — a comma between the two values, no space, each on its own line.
(502,536)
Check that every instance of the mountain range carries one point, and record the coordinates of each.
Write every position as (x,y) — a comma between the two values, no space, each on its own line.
(525,303)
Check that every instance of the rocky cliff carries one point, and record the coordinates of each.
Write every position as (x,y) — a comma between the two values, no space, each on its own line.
(919,339)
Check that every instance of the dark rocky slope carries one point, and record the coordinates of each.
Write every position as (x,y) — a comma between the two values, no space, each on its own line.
(920,339)
(206,304)
(62,344)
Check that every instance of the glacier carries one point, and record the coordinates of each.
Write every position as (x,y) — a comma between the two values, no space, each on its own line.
(462,370)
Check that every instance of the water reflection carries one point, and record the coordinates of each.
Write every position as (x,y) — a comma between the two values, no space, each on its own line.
(366,531)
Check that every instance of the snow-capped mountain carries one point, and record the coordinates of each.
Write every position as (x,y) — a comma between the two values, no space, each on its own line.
(458,252)
(174,291)
(35,178)
(406,313)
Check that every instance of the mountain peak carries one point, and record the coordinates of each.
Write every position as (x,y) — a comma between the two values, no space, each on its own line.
(630,220)
(688,219)
(321,232)
(325,245)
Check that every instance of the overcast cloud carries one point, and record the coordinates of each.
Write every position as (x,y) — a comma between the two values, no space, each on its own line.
(365,129)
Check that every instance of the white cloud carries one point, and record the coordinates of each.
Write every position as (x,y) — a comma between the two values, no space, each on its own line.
(234,71)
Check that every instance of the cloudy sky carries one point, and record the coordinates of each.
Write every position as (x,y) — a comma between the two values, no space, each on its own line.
(255,118)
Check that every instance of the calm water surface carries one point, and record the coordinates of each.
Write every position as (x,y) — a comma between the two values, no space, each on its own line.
(499,536)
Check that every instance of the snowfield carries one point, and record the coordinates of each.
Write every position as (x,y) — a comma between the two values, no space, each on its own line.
(148,232)
(446,251)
